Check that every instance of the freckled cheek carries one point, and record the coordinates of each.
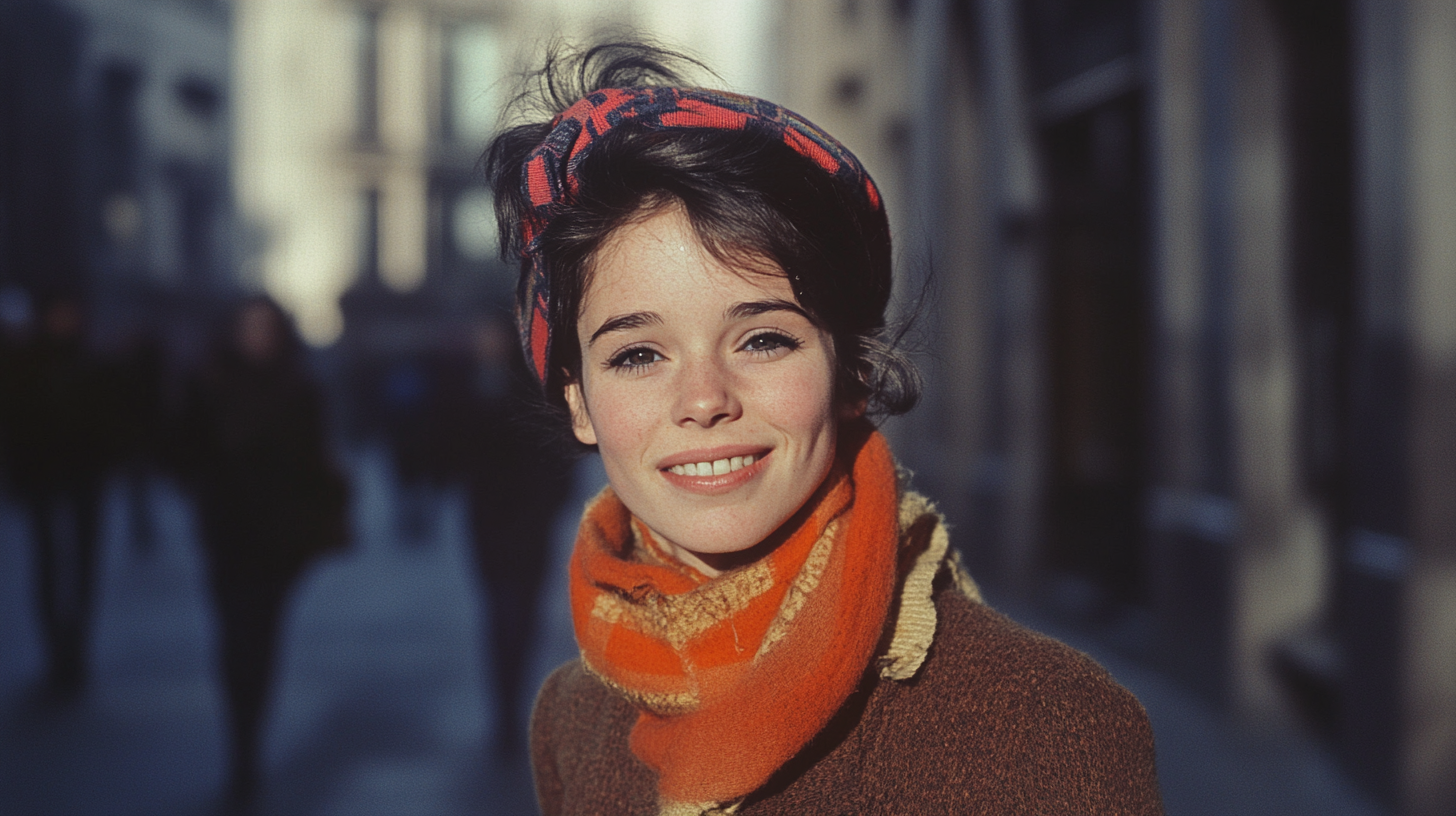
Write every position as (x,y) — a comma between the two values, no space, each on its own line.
(624,419)
(799,402)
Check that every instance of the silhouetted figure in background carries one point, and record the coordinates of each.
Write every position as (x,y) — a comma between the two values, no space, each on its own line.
(412,400)
(57,452)
(517,478)
(17,322)
(270,502)
(138,389)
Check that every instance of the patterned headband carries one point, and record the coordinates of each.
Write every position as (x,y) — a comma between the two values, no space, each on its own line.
(550,182)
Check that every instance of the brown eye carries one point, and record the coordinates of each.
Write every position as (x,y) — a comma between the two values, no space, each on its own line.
(769,342)
(632,358)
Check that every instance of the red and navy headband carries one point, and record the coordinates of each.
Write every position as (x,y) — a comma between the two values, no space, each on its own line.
(549,176)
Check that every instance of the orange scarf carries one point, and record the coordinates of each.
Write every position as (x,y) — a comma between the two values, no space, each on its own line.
(735,674)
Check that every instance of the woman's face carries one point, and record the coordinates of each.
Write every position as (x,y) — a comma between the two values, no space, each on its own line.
(707,390)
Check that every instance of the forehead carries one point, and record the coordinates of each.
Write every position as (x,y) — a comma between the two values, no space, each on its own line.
(658,261)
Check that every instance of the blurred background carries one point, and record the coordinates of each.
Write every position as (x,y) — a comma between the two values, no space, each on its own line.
(1183,276)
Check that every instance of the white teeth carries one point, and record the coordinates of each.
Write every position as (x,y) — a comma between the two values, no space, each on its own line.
(715,468)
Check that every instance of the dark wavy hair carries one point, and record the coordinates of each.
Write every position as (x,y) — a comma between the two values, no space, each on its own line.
(749,197)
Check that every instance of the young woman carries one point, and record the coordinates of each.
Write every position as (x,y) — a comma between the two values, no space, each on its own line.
(770,621)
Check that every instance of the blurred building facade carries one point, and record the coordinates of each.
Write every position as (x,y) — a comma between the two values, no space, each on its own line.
(114,181)
(1189,317)
(1184,290)
(359,130)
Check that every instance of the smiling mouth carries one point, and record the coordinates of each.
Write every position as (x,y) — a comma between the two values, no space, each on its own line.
(717,467)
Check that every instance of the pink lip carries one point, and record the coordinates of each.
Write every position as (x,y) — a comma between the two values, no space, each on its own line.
(716,485)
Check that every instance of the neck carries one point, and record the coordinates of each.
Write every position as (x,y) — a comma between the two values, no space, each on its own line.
(715,564)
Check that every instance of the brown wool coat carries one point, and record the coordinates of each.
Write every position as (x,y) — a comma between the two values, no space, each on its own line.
(999,720)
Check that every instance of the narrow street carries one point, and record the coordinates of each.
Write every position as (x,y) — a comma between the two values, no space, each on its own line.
(381,705)
(381,698)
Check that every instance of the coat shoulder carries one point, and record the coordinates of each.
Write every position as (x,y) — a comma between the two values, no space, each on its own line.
(579,752)
(1011,720)
(977,646)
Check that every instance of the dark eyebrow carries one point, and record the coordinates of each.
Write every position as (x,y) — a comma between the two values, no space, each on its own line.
(624,322)
(758,307)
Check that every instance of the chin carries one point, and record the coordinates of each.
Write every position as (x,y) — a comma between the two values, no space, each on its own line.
(727,530)
(718,533)
(708,542)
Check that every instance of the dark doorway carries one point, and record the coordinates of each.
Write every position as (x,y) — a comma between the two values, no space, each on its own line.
(1088,99)
(1097,317)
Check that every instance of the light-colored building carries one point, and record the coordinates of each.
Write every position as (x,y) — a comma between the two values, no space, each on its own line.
(359,125)
(845,65)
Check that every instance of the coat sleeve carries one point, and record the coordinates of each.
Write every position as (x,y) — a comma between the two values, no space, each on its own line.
(1004,720)
(549,791)
(1074,741)
(1108,757)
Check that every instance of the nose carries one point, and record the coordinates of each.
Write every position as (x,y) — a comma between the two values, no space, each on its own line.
(706,395)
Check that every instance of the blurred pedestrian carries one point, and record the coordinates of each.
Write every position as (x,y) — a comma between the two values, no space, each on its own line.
(516,480)
(16,324)
(137,390)
(411,400)
(57,451)
(270,502)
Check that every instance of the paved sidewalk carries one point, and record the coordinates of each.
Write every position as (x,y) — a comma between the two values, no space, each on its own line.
(380,705)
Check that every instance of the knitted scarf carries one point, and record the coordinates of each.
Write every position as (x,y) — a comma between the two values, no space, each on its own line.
(733,675)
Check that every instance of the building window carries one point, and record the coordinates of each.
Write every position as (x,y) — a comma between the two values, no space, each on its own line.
(367,111)
(472,69)
(369,236)
(118,147)
(849,90)
(198,96)
(472,225)
(1066,38)
(119,143)
(195,198)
